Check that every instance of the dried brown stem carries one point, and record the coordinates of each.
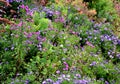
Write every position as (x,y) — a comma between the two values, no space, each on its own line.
(6,21)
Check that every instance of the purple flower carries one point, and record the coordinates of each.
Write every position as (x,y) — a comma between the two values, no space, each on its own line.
(44,82)
(106,82)
(6,49)
(15,0)
(118,56)
(63,76)
(102,79)
(9,0)
(27,81)
(28,42)
(49,80)
(93,63)
(108,53)
(12,83)
(78,75)
(29,73)
(81,81)
(58,82)
(119,42)
(96,31)
(39,46)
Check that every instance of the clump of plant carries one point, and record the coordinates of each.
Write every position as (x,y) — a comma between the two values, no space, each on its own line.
(103,7)
(40,22)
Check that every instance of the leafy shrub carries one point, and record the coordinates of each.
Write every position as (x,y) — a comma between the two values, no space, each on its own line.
(103,7)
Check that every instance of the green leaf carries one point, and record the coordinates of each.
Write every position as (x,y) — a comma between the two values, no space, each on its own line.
(44,71)
(43,24)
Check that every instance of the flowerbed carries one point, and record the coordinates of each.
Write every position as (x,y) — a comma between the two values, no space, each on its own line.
(60,43)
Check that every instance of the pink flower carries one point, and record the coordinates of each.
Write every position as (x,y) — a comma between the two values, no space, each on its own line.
(58,72)
(90,44)
(20,24)
(44,39)
(30,13)
(25,33)
(16,35)
(57,13)
(50,28)
(22,6)
(26,8)
(56,20)
(36,33)
(62,20)
(66,66)
(29,35)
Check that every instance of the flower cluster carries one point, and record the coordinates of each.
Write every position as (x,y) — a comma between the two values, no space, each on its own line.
(66,77)
(27,9)
(15,0)
(66,66)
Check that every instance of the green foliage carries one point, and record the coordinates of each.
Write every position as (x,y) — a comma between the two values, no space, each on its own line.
(118,0)
(41,23)
(104,8)
(15,5)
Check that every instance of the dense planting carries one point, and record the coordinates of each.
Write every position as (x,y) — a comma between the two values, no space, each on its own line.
(61,42)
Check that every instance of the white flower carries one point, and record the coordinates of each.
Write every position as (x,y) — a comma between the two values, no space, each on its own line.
(61,45)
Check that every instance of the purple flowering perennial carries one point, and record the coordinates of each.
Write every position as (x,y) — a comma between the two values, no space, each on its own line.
(81,82)
(15,0)
(93,63)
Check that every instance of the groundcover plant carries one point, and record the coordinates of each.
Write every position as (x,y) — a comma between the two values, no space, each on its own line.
(61,42)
